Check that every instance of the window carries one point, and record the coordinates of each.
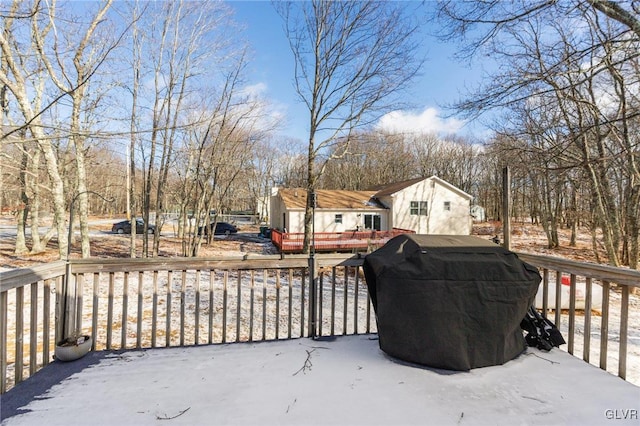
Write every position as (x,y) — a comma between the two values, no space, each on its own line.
(413,208)
(418,208)
(338,218)
(447,206)
(372,221)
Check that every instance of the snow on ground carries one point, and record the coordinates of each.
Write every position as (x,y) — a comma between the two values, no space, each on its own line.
(346,381)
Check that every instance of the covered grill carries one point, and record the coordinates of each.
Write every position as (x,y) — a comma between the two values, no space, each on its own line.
(452,302)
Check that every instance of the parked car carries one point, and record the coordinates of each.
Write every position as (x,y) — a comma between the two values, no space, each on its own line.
(222,228)
(124,227)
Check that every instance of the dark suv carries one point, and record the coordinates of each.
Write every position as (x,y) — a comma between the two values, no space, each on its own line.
(222,228)
(124,227)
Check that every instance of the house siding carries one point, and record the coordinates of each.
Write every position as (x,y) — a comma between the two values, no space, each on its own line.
(325,220)
(295,221)
(455,221)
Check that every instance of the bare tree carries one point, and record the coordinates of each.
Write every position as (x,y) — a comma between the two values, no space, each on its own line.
(136,62)
(291,168)
(481,22)
(368,160)
(22,78)
(350,59)
(57,63)
(217,151)
(87,54)
(182,36)
(262,176)
(582,74)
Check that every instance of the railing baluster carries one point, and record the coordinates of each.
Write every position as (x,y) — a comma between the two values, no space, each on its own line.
(355,300)
(183,304)
(238,304)
(167,332)
(586,348)
(225,280)
(59,333)
(211,306)
(264,304)
(4,317)
(333,301)
(251,302)
(19,332)
(140,310)
(545,292)
(46,323)
(95,309)
(196,332)
(604,327)
(33,330)
(110,309)
(572,313)
(558,298)
(368,312)
(154,310)
(290,313)
(125,310)
(320,301)
(302,301)
(277,304)
(79,303)
(345,300)
(624,332)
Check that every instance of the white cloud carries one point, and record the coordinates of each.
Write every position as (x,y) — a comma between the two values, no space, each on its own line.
(427,121)
(254,90)
(261,114)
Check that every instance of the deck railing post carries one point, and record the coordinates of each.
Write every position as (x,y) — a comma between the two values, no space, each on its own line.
(313,291)
(506,207)
(313,278)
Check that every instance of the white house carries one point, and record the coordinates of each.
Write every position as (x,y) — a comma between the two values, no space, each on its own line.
(336,210)
(424,205)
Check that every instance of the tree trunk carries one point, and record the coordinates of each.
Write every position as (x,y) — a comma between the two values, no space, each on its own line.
(311,187)
(21,216)
(37,245)
(57,193)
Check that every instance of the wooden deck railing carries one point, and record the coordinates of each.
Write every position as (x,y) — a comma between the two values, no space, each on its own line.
(349,241)
(148,303)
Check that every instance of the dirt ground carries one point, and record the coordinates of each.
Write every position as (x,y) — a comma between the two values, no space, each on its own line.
(105,244)
(525,238)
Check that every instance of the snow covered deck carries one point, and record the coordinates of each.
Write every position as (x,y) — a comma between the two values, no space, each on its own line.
(345,381)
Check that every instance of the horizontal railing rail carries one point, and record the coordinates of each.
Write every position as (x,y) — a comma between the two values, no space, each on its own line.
(611,287)
(147,303)
(365,240)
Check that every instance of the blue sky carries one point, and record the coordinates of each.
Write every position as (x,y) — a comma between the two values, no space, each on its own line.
(271,69)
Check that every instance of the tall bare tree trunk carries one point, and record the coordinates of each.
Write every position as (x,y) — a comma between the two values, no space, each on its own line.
(37,245)
(131,174)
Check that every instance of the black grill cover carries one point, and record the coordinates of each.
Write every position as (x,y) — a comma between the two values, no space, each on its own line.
(452,302)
